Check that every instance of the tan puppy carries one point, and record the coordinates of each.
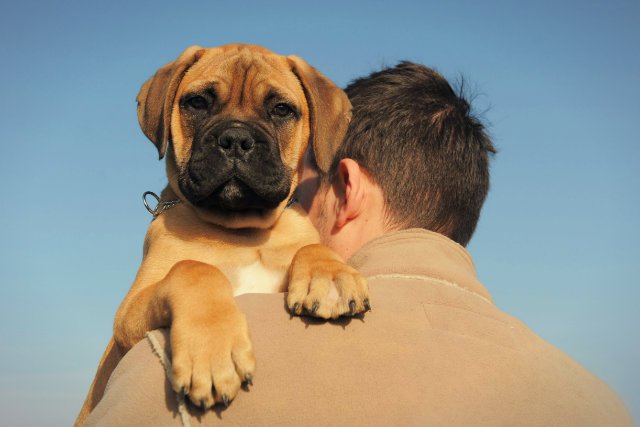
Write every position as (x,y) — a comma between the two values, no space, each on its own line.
(234,123)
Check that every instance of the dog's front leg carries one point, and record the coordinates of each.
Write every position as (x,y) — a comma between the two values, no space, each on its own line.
(211,350)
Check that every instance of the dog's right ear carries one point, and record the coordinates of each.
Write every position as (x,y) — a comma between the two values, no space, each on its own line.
(156,97)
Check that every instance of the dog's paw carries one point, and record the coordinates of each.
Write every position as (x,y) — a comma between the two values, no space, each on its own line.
(322,285)
(212,356)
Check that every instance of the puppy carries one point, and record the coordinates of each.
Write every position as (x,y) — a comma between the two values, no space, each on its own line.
(234,123)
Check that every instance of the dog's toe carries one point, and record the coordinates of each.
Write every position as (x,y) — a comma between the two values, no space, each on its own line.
(201,394)
(181,375)
(226,382)
(244,361)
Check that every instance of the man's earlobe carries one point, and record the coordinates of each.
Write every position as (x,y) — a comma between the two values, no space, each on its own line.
(350,192)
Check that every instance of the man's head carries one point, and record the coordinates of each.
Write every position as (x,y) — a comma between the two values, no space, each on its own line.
(414,150)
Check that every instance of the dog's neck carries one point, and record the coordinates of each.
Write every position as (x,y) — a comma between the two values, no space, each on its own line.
(169,199)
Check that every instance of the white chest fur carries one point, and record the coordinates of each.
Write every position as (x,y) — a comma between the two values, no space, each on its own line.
(255,279)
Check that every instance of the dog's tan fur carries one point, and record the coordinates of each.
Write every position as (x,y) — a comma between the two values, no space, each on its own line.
(196,260)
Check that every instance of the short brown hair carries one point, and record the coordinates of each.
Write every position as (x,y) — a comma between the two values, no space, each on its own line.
(417,139)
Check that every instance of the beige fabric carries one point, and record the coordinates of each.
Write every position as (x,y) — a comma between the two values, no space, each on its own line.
(434,351)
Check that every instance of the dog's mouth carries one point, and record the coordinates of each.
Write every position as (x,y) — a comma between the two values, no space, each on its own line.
(235,196)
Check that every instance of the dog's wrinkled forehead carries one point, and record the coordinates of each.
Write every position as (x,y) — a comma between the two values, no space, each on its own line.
(243,78)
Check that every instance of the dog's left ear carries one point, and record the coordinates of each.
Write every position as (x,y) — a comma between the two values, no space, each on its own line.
(156,97)
(329,110)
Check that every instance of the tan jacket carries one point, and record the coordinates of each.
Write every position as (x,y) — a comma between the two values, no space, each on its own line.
(435,351)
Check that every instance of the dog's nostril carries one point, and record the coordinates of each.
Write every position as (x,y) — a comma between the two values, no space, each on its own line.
(225,142)
(246,144)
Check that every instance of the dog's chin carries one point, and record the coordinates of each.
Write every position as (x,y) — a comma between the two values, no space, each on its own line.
(235,205)
(248,218)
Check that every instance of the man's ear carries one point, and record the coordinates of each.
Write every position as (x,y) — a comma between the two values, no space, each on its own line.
(156,97)
(350,191)
(329,110)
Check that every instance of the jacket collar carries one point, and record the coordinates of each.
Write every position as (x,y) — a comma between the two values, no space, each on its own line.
(419,252)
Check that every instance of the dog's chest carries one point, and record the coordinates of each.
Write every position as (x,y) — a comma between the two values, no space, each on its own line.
(254,278)
(252,262)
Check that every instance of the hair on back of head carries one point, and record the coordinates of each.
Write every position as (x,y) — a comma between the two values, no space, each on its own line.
(418,139)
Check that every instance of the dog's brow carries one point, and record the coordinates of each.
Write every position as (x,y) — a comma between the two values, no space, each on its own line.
(276,94)
(205,86)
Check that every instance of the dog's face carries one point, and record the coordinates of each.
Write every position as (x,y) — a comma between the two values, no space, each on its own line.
(234,122)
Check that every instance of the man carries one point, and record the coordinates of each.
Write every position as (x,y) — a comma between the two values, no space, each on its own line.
(400,203)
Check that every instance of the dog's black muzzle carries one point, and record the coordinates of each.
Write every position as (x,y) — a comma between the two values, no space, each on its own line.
(235,166)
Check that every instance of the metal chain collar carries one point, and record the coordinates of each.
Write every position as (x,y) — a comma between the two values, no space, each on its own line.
(160,206)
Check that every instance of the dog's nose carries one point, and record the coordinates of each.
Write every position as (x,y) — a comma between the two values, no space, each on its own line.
(236,137)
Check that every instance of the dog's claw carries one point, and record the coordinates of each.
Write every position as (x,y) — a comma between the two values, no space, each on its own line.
(248,379)
(203,405)
(367,306)
(296,306)
(225,400)
(184,391)
(352,307)
(315,307)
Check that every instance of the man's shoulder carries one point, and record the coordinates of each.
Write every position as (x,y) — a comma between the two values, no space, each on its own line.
(442,350)
(439,353)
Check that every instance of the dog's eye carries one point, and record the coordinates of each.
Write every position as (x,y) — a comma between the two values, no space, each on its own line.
(282,110)
(197,103)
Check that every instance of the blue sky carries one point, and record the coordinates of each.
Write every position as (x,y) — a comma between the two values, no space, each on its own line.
(557,245)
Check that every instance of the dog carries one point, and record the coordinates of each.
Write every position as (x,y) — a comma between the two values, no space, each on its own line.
(234,123)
